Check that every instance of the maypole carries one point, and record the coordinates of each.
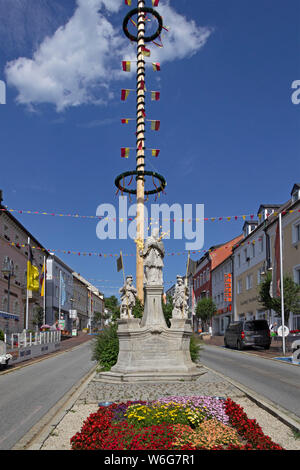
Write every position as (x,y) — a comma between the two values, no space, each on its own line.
(140,173)
(140,145)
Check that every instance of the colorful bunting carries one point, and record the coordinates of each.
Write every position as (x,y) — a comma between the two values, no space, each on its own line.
(128,2)
(124,94)
(155,3)
(146,52)
(156,66)
(124,121)
(126,65)
(155,95)
(155,125)
(125,152)
(155,152)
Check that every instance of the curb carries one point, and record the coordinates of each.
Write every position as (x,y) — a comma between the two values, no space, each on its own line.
(275,410)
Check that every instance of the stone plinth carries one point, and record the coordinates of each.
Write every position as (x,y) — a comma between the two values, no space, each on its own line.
(149,351)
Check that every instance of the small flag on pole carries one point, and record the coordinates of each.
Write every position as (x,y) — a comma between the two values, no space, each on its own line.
(156,66)
(155,125)
(126,65)
(125,121)
(146,52)
(42,280)
(128,2)
(155,152)
(124,94)
(155,95)
(155,3)
(120,263)
(32,273)
(125,152)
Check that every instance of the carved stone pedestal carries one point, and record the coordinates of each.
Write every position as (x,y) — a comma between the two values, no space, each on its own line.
(149,351)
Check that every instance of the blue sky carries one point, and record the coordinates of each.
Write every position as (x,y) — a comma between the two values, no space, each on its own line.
(229,135)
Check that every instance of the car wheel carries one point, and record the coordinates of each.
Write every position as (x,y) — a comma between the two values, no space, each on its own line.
(239,345)
(267,347)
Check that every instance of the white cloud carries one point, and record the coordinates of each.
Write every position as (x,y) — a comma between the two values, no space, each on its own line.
(77,64)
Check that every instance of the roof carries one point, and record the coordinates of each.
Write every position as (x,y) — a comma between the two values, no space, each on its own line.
(296,186)
(223,251)
(3,210)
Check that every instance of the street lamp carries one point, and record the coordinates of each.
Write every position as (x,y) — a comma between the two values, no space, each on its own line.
(8,270)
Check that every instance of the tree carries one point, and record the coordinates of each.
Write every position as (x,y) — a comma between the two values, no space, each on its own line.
(291,294)
(167,310)
(112,305)
(205,309)
(138,309)
(38,317)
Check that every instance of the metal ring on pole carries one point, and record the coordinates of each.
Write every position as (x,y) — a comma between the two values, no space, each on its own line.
(141,174)
(145,10)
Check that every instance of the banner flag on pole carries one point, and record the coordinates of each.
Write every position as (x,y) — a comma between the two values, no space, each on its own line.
(155,95)
(125,152)
(124,94)
(32,273)
(155,125)
(126,65)
(120,263)
(156,66)
(43,279)
(277,260)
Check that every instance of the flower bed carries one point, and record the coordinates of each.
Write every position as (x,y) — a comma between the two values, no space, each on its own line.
(173,423)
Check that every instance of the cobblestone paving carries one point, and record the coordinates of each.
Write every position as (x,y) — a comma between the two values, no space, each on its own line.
(207,384)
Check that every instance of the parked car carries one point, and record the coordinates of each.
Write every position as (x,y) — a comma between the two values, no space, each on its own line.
(247,333)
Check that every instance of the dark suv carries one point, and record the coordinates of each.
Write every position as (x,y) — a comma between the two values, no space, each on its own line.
(247,333)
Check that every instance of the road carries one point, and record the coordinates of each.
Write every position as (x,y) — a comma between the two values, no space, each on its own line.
(276,381)
(27,394)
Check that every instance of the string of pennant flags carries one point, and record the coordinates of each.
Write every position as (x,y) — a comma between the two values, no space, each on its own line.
(116,255)
(124,219)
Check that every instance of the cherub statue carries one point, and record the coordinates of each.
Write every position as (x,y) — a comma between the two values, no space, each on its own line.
(153,254)
(180,298)
(128,298)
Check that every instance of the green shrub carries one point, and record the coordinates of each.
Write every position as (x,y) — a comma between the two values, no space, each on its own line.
(106,347)
(1,335)
(194,348)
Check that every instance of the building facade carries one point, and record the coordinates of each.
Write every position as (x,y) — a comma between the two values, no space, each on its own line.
(290,249)
(59,292)
(13,287)
(222,294)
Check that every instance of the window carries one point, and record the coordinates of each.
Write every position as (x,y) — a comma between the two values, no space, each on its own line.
(296,232)
(297,275)
(239,286)
(249,281)
(260,275)
(261,243)
(245,255)
(6,232)
(253,250)
(239,260)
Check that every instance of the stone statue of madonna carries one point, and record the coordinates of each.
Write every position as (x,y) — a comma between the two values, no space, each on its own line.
(153,254)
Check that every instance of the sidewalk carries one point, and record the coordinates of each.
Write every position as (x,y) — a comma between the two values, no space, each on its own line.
(274,351)
(65,345)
